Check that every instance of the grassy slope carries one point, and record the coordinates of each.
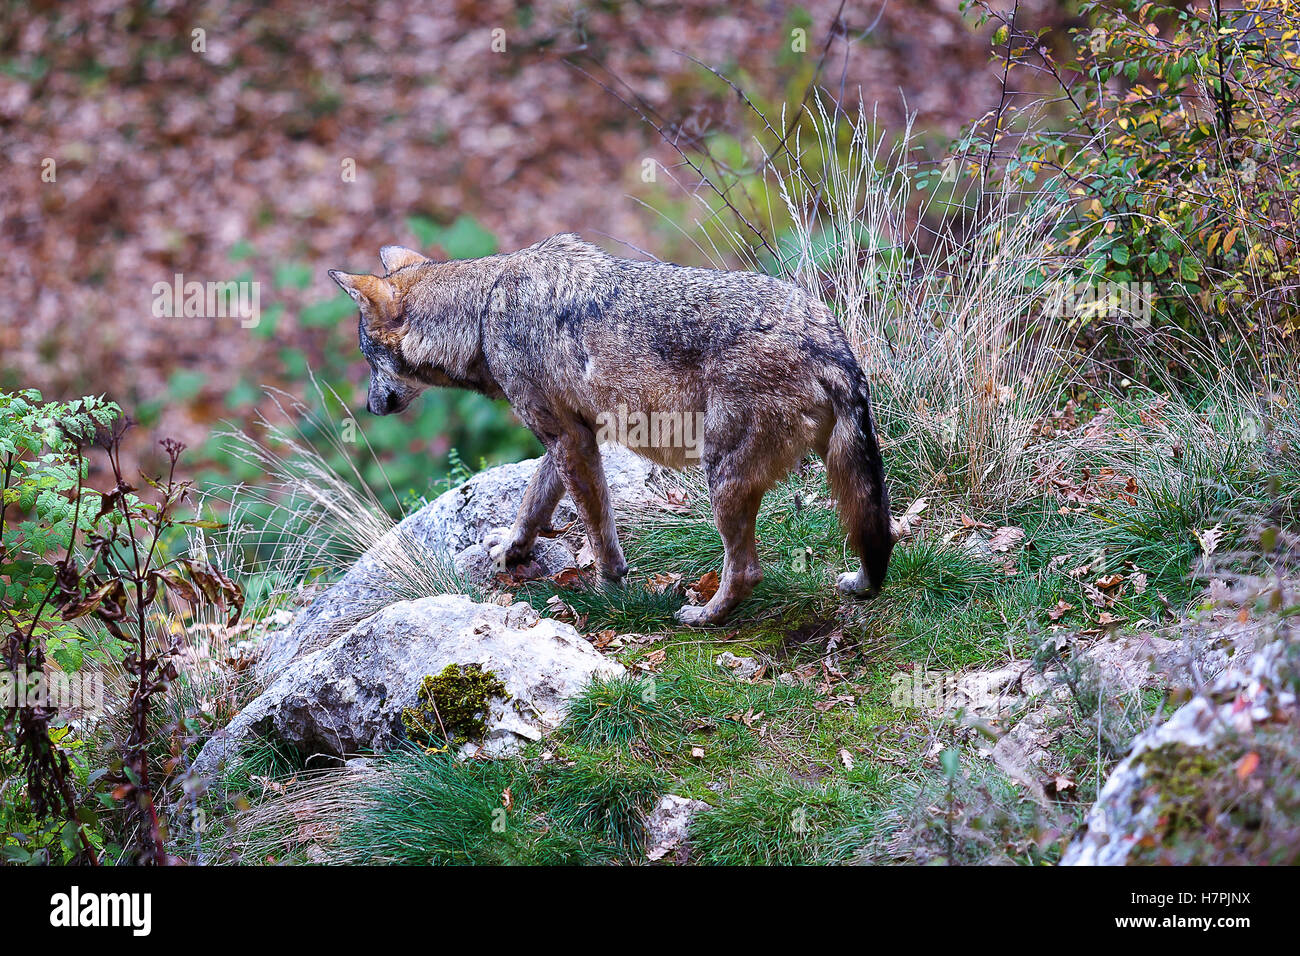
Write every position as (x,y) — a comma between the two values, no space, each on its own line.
(819,766)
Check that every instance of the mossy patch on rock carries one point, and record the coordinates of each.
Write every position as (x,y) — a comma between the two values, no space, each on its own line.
(1179,780)
(1237,804)
(453,705)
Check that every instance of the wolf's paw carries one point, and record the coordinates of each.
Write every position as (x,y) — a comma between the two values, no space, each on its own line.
(614,571)
(854,584)
(504,549)
(692,616)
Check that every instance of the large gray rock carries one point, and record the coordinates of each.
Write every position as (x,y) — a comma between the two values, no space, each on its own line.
(416,558)
(348,696)
(1257,695)
(475,565)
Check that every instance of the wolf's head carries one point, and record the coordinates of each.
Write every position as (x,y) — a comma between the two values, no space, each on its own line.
(383,327)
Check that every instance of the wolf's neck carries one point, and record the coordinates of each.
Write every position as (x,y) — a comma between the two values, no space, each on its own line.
(444,340)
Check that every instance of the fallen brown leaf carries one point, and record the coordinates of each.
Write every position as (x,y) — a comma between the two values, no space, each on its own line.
(675,499)
(1247,765)
(702,591)
(1006,538)
(569,577)
(662,582)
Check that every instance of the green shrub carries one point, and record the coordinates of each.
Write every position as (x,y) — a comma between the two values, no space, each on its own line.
(1180,150)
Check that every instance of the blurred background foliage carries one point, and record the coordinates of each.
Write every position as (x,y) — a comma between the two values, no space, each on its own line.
(1169,131)
(227,162)
(1171,126)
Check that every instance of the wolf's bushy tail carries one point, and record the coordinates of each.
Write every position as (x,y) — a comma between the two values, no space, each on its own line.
(857,476)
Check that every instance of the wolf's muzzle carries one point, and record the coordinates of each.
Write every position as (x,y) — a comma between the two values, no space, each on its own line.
(384,404)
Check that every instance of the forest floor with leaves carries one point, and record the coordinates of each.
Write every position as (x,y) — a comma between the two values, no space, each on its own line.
(227,164)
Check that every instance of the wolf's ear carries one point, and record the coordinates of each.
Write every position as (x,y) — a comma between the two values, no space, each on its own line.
(399,257)
(363,289)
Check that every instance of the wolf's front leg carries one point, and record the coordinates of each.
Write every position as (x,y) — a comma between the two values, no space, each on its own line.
(544,491)
(577,459)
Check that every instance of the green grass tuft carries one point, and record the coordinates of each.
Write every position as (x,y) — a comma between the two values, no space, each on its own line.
(604,792)
(775,821)
(619,711)
(427,809)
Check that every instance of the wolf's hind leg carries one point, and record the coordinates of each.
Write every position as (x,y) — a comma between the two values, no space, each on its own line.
(544,491)
(735,510)
(577,460)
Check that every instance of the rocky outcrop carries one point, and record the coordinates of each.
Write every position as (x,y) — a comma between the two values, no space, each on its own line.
(1021,707)
(348,696)
(1023,704)
(1195,769)
(422,554)
(475,565)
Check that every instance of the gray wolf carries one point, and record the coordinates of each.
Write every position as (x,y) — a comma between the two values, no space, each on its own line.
(567,333)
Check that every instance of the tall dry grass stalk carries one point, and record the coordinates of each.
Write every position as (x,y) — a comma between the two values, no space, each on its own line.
(1214,438)
(304,816)
(307,522)
(941,295)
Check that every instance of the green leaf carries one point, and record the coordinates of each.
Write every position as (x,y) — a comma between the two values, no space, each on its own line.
(463,239)
(243,249)
(68,654)
(185,384)
(950,759)
(330,312)
(466,239)
(293,275)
